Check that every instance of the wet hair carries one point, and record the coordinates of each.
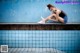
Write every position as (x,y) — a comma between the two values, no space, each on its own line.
(49,6)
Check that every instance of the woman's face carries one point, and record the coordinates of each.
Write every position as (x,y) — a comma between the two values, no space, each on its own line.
(52,8)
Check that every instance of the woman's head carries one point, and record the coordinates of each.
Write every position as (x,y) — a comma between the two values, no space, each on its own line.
(50,7)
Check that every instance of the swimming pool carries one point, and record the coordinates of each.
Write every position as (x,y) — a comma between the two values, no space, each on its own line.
(67,41)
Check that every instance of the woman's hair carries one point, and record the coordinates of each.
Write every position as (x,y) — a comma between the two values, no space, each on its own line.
(49,6)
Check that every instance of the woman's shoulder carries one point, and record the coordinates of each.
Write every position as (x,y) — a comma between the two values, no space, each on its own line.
(58,10)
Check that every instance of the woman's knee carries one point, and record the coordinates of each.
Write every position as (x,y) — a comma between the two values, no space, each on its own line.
(61,19)
(54,15)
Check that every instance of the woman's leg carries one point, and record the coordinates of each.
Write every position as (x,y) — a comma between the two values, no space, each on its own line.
(51,17)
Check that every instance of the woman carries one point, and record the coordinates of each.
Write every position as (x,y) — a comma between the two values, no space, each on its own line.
(56,16)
